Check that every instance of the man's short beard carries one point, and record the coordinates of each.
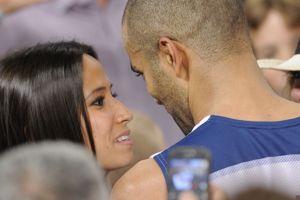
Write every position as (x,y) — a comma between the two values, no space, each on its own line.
(175,99)
(181,113)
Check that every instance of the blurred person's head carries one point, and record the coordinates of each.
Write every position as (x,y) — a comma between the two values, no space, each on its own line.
(275,27)
(173,43)
(60,91)
(51,171)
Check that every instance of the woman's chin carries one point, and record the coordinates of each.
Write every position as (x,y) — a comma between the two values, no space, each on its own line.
(114,164)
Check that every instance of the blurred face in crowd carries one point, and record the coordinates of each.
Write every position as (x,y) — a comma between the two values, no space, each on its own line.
(274,38)
(108,117)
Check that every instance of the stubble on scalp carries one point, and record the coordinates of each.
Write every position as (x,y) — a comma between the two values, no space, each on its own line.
(215,29)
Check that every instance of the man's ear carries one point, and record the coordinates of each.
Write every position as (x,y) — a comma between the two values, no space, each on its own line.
(173,55)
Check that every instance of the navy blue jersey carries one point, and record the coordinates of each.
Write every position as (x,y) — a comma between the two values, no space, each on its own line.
(245,154)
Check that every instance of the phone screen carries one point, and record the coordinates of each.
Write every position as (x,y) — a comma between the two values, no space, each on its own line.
(188,177)
(189,174)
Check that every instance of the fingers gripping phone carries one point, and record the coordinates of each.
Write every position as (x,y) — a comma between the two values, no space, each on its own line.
(189,169)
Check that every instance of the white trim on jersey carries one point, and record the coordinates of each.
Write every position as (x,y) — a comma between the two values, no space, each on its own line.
(276,173)
(205,119)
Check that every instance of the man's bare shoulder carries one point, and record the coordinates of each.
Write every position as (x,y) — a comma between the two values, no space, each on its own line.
(143,181)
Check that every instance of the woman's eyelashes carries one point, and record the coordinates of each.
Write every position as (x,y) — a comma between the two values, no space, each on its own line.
(99,101)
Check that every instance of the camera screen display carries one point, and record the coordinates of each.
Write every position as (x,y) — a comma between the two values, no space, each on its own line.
(189,174)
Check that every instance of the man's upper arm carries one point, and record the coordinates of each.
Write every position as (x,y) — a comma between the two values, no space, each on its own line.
(144,181)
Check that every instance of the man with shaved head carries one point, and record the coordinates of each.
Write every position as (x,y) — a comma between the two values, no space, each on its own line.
(197,61)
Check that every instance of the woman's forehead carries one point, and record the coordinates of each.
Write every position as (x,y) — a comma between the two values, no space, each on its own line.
(94,75)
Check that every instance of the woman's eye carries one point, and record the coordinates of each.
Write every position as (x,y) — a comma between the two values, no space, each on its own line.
(99,102)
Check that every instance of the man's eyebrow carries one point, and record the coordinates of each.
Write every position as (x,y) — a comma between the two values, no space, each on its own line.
(99,89)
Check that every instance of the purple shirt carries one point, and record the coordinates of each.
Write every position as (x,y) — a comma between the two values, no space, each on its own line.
(85,21)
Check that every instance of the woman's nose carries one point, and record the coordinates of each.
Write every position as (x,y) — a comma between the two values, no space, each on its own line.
(124,115)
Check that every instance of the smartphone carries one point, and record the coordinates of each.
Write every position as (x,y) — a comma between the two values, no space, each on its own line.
(188,171)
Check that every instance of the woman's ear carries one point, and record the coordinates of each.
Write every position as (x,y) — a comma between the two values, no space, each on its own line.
(173,57)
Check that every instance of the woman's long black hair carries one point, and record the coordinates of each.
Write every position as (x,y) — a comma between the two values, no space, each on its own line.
(41,95)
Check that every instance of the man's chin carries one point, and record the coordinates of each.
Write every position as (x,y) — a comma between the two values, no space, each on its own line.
(185,123)
(181,115)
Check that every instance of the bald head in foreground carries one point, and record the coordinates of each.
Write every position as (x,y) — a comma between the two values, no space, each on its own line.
(197,61)
(51,171)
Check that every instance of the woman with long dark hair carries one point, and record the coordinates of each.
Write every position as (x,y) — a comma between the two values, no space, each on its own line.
(60,91)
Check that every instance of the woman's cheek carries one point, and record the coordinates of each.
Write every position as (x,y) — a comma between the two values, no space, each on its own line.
(102,125)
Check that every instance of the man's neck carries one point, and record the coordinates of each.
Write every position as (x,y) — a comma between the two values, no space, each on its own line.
(234,89)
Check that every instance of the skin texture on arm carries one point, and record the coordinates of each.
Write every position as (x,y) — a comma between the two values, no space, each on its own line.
(144,181)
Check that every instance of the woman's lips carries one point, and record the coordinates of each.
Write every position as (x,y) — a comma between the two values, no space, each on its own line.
(124,138)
